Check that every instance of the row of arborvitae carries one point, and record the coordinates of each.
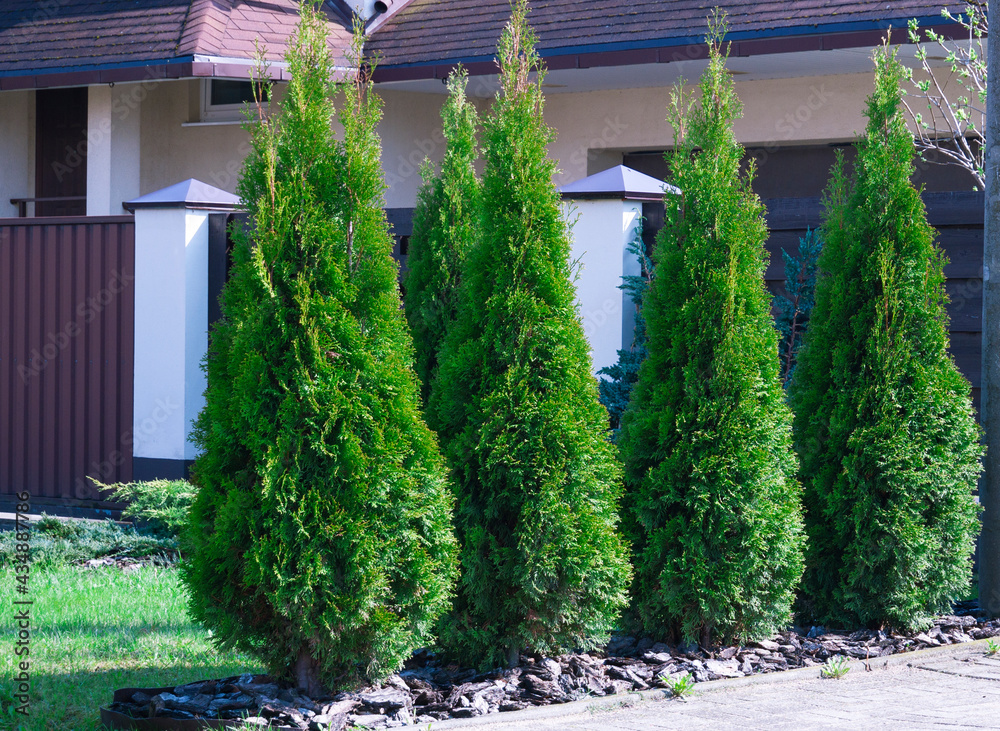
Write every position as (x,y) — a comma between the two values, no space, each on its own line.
(884,425)
(322,532)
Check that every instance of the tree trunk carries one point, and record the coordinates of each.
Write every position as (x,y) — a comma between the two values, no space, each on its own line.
(307,675)
(513,656)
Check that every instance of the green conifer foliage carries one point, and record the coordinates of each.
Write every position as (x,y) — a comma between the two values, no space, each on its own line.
(525,435)
(796,303)
(445,224)
(707,438)
(884,423)
(323,542)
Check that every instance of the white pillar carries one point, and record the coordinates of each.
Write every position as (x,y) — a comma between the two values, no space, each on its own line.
(601,232)
(112,147)
(171,330)
(172,297)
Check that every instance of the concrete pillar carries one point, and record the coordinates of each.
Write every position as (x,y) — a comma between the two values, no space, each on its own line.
(602,230)
(112,148)
(172,303)
(604,210)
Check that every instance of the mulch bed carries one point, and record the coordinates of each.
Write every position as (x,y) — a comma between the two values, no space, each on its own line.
(428,690)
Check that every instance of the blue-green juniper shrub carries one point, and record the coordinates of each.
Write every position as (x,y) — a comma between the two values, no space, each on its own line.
(616,389)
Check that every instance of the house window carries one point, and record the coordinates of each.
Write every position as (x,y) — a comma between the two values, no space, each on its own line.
(223,100)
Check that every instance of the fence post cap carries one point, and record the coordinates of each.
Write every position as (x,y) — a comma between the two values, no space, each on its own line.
(189,193)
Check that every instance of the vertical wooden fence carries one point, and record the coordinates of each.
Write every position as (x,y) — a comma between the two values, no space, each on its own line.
(66,357)
(958,218)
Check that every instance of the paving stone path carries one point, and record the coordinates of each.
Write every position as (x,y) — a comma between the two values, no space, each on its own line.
(956,689)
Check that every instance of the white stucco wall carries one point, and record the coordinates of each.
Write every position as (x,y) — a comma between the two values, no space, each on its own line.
(777,113)
(113,147)
(17,149)
(173,152)
(410,131)
(594,128)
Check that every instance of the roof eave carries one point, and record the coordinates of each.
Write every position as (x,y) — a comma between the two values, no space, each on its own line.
(824,37)
(150,70)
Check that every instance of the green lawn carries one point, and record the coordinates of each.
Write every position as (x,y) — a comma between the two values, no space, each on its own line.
(100,629)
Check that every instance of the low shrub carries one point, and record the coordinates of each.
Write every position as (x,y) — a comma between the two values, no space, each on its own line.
(58,542)
(161,506)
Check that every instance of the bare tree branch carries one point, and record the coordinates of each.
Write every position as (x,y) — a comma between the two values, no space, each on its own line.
(955,94)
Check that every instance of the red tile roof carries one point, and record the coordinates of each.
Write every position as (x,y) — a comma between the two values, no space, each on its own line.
(37,36)
(441,31)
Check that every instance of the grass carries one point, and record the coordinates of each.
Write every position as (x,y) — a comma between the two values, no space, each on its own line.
(96,630)
(678,686)
(835,667)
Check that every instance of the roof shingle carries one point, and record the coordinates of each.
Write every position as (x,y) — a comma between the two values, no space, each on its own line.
(36,37)
(440,31)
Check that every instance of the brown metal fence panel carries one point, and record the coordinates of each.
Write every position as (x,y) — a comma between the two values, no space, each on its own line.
(66,357)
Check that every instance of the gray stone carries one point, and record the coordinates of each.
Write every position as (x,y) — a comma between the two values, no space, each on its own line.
(723,668)
(196,704)
(240,701)
(368,719)
(657,658)
(480,704)
(322,722)
(386,699)
(922,637)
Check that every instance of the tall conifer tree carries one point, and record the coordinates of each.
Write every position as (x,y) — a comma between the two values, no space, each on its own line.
(884,423)
(445,223)
(321,530)
(525,435)
(707,437)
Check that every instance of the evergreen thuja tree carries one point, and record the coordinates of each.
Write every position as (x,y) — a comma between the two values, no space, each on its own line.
(321,530)
(717,529)
(445,224)
(884,424)
(543,567)
(616,389)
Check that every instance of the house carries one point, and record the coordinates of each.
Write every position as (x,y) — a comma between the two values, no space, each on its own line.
(109,101)
(103,101)
(802,68)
